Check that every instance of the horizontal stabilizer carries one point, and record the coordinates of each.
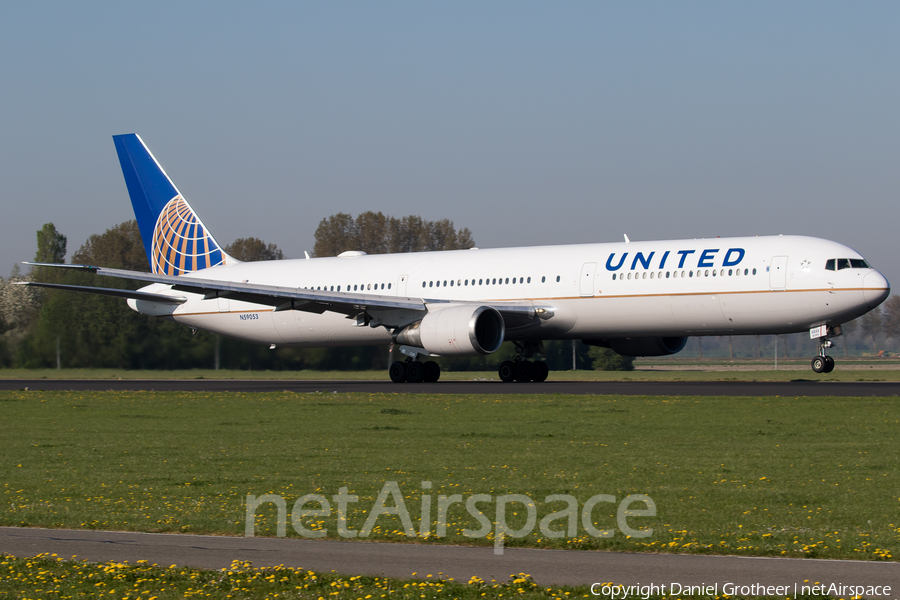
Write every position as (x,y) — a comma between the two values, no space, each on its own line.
(130,294)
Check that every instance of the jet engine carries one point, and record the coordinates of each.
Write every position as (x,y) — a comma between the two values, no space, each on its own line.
(641,346)
(462,330)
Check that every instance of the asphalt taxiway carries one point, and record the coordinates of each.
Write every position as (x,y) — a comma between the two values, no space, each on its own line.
(800,387)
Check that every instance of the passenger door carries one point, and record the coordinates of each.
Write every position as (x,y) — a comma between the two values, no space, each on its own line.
(588,270)
(778,272)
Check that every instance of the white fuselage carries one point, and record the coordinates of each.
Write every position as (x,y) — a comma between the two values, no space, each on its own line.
(719,286)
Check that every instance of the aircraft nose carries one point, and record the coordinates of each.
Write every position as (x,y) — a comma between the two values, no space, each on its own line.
(875,289)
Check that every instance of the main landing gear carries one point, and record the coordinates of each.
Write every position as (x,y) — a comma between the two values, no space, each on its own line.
(412,369)
(522,369)
(415,371)
(823,363)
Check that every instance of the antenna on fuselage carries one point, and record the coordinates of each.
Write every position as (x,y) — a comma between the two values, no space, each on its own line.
(627,241)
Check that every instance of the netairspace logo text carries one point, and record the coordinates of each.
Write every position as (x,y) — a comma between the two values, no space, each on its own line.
(559,524)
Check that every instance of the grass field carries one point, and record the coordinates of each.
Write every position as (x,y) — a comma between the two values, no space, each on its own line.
(646,371)
(813,477)
(51,576)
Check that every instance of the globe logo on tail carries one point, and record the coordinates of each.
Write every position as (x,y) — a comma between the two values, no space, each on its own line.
(181,243)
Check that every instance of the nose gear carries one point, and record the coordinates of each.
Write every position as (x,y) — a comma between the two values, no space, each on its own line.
(822,363)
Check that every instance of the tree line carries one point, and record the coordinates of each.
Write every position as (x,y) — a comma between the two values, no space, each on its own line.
(42,328)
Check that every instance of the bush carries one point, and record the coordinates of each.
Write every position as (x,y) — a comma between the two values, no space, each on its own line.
(605,359)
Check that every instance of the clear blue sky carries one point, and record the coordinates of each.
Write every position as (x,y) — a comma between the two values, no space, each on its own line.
(529,123)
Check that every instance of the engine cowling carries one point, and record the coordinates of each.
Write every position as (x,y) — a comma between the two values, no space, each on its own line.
(463,330)
(641,346)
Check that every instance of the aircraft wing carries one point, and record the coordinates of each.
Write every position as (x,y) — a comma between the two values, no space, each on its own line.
(281,298)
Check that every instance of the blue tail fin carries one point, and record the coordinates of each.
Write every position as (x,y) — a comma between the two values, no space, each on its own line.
(175,239)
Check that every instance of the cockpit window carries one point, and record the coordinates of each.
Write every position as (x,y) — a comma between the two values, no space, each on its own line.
(846,263)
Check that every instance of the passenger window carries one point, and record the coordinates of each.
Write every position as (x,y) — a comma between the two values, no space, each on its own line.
(389,286)
(651,275)
(614,276)
(339,288)
(479,282)
(430,284)
(451,283)
(629,276)
(667,274)
(690,273)
(423,284)
(529,280)
(729,272)
(644,276)
(544,279)
(745,271)
(557,279)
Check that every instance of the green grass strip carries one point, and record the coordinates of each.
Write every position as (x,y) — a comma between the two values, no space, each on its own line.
(49,576)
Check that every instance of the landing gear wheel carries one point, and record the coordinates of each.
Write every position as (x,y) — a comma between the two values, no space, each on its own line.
(507,371)
(432,371)
(541,370)
(819,364)
(415,372)
(829,364)
(523,371)
(398,371)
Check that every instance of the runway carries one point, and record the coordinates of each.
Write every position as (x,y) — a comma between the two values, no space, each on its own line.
(547,567)
(643,388)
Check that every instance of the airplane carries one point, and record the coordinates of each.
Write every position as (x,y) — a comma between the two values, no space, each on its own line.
(636,298)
